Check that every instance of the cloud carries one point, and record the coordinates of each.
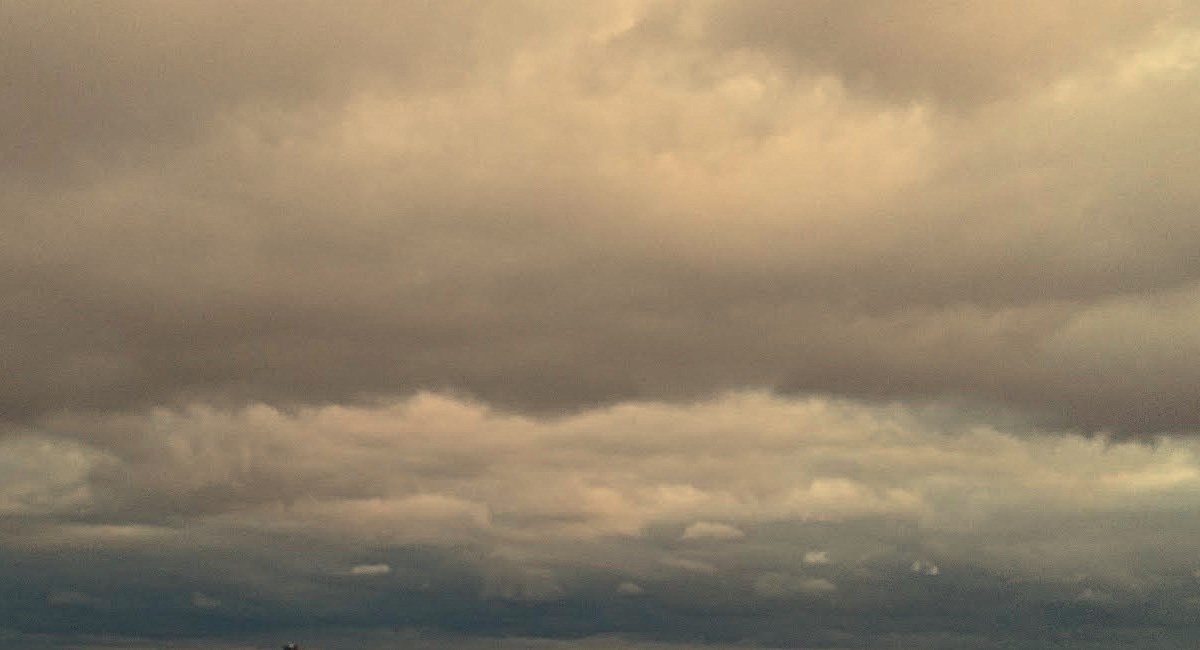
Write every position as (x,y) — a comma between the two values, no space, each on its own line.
(203,601)
(435,469)
(370,570)
(534,308)
(959,55)
(710,530)
(40,476)
(1094,596)
(530,584)
(296,215)
(925,567)
(73,598)
(630,589)
(688,564)
(513,520)
(816,557)
(779,585)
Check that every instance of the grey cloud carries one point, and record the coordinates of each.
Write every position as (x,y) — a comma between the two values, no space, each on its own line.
(370,569)
(711,322)
(500,524)
(526,493)
(436,471)
(73,598)
(816,557)
(773,585)
(925,567)
(40,476)
(204,602)
(547,246)
(711,530)
(630,589)
(122,83)
(961,54)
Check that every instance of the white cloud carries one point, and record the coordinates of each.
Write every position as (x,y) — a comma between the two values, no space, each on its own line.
(41,476)
(630,589)
(816,557)
(370,570)
(925,567)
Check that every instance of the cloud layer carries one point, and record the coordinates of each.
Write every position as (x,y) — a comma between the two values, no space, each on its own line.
(668,519)
(575,208)
(649,321)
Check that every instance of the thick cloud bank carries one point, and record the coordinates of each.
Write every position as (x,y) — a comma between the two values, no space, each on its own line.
(823,324)
(715,520)
(550,208)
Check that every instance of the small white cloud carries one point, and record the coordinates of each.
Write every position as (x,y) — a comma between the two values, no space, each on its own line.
(816,557)
(204,602)
(630,589)
(709,530)
(925,567)
(370,570)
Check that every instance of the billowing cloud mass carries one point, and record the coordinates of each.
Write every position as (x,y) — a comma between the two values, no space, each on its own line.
(622,324)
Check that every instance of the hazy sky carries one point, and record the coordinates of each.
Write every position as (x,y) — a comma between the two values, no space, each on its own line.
(614,325)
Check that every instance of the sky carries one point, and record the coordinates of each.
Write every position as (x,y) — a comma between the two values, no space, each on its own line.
(613,325)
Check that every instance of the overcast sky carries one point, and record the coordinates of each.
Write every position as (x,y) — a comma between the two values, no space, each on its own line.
(615,325)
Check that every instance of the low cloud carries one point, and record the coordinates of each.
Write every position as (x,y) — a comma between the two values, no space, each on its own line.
(688,565)
(836,206)
(370,570)
(470,509)
(533,308)
(710,530)
(517,583)
(78,598)
(816,557)
(925,567)
(630,589)
(203,601)
(780,585)
(440,470)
